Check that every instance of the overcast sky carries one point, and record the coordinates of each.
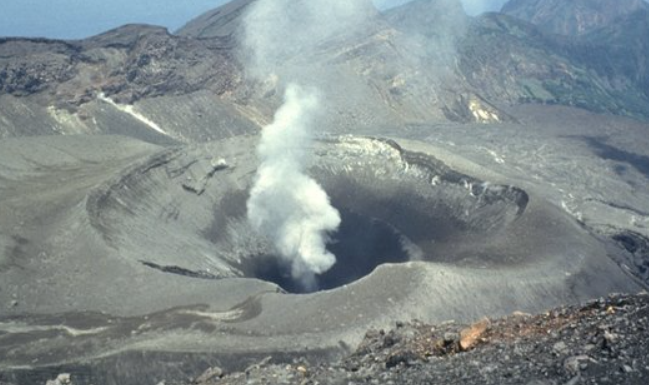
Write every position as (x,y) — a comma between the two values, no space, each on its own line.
(73,19)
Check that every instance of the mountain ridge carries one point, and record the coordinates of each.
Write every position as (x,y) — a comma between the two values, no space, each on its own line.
(464,70)
(573,18)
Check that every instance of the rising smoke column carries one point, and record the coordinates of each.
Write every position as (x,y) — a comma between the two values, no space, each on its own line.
(277,32)
(285,204)
(280,40)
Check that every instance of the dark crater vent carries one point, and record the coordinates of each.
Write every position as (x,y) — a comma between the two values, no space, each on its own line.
(396,206)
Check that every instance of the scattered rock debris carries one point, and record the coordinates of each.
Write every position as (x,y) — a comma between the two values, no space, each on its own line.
(210,376)
(61,379)
(604,341)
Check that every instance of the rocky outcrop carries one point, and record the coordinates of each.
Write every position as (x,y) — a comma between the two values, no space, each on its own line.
(135,80)
(31,66)
(127,64)
(601,341)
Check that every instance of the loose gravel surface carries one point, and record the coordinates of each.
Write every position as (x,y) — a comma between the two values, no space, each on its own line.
(605,341)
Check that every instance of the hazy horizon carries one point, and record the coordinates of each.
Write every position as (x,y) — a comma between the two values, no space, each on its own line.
(77,19)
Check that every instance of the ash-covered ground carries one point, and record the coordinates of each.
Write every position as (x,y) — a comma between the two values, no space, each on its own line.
(603,341)
(468,183)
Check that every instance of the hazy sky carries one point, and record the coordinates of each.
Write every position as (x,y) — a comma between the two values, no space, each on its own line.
(72,19)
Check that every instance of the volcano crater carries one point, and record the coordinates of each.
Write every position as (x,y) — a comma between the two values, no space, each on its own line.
(396,207)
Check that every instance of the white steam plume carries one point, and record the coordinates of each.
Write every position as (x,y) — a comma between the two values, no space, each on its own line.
(279,31)
(285,204)
(280,43)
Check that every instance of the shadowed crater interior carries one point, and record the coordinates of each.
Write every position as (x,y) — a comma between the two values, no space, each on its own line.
(395,207)
(360,244)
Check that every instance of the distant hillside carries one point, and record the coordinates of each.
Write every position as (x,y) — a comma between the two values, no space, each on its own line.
(514,62)
(421,62)
(627,43)
(573,17)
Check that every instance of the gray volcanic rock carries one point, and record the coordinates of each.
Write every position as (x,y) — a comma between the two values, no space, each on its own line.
(127,64)
(31,66)
(97,85)
(601,341)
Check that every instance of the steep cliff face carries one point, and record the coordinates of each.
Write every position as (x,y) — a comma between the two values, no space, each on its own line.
(135,79)
(127,64)
(574,17)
